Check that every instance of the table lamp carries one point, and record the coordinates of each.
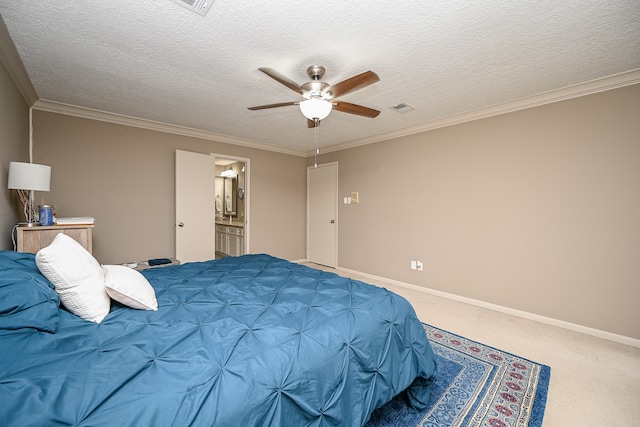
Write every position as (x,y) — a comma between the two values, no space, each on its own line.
(28,177)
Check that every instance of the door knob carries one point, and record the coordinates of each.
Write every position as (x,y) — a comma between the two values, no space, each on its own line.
(181,224)
(333,221)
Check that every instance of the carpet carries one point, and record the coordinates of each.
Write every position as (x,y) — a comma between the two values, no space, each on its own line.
(476,385)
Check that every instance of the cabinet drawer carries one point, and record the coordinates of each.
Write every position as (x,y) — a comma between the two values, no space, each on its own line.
(236,231)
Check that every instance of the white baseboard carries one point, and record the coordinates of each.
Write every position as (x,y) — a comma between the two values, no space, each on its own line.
(633,342)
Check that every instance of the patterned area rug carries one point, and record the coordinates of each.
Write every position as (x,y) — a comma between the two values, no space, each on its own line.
(477,385)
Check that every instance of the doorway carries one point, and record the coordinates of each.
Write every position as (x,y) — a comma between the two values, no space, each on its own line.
(322,214)
(231,205)
(198,214)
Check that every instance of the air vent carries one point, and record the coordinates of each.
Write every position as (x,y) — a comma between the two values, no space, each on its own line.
(402,108)
(201,7)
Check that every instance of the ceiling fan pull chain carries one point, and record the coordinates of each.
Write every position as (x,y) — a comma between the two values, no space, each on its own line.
(316,139)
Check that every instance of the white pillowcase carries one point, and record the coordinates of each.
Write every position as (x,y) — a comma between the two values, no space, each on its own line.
(129,287)
(77,277)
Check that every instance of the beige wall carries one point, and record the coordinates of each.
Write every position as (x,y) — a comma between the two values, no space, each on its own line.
(537,210)
(124,177)
(14,136)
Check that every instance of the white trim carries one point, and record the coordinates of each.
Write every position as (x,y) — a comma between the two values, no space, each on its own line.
(87,113)
(582,89)
(11,60)
(633,342)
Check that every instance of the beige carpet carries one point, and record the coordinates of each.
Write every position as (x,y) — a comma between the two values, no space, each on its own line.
(594,382)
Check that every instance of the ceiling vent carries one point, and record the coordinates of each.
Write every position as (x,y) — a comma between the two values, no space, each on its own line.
(201,7)
(402,108)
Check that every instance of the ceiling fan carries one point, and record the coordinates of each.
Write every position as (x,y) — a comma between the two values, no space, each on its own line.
(319,97)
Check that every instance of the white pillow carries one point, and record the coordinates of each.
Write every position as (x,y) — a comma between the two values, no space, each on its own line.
(77,277)
(129,287)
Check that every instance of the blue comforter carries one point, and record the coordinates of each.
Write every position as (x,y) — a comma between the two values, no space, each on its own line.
(244,341)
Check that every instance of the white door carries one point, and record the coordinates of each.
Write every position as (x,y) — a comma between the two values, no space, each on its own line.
(195,206)
(322,214)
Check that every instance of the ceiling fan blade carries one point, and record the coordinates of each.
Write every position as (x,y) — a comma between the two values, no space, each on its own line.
(312,123)
(280,104)
(353,83)
(282,79)
(359,110)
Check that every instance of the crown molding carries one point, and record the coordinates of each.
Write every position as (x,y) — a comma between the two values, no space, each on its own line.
(88,113)
(569,92)
(10,57)
(582,89)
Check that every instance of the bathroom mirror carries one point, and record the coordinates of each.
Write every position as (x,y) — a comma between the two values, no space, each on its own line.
(226,191)
(230,188)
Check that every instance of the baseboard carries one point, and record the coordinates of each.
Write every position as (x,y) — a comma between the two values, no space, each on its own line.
(506,310)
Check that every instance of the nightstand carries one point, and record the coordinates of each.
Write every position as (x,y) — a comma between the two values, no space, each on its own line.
(32,239)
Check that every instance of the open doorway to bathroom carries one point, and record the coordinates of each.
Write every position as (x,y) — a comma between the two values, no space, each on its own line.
(232,199)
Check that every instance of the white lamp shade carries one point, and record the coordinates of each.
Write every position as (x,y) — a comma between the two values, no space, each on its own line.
(315,108)
(29,176)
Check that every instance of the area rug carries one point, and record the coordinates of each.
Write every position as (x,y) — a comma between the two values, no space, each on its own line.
(477,385)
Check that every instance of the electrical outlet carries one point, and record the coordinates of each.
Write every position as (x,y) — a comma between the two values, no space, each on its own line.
(419,265)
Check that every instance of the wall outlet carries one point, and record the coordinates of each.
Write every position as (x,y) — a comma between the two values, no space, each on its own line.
(416,265)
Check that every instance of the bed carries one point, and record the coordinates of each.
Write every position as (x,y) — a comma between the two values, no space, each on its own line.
(242,341)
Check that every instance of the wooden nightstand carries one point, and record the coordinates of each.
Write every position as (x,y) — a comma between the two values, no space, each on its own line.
(32,239)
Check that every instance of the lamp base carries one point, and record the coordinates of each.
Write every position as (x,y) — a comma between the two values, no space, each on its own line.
(28,224)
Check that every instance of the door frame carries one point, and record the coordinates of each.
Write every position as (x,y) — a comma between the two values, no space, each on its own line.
(247,194)
(337,223)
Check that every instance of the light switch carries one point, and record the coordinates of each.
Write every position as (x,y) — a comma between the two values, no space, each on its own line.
(354,197)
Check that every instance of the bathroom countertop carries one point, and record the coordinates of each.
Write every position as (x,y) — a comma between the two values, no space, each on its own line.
(232,223)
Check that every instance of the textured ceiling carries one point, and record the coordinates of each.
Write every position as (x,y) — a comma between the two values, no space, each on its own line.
(155,60)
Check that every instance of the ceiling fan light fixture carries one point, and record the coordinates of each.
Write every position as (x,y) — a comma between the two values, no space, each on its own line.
(315,108)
